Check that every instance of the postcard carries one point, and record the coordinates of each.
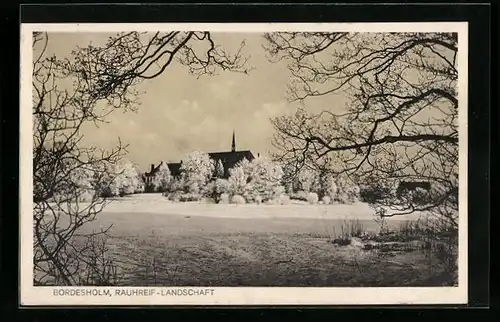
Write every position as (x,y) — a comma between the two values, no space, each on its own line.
(243,164)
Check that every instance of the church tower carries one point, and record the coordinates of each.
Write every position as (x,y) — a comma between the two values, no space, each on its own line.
(233,145)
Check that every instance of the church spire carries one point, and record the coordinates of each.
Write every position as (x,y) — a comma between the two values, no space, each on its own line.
(233,145)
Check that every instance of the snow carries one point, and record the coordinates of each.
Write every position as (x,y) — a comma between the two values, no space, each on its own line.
(155,203)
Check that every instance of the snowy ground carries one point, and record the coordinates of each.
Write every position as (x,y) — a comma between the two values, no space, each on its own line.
(158,242)
(157,204)
(146,214)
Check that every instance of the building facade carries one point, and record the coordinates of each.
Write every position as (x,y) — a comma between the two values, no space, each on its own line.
(229,160)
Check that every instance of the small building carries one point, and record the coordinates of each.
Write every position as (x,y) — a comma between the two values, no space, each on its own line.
(175,171)
(405,186)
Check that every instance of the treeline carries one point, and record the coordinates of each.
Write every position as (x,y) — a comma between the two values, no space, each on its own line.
(258,181)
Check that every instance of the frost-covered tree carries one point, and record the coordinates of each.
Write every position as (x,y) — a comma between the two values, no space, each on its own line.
(328,185)
(106,178)
(260,177)
(347,190)
(197,169)
(128,179)
(222,186)
(140,186)
(219,169)
(331,188)
(400,114)
(83,183)
(237,180)
(162,178)
(177,184)
(312,198)
(308,180)
(120,179)
(264,178)
(79,183)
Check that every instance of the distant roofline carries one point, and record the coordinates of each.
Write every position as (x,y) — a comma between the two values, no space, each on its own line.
(156,165)
(229,151)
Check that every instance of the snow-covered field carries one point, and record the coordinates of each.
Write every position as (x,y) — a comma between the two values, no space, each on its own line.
(199,244)
(146,214)
(157,204)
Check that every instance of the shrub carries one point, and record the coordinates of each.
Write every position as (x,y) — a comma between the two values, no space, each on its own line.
(174,196)
(326,200)
(192,187)
(214,189)
(237,199)
(209,190)
(278,191)
(189,197)
(176,184)
(224,198)
(258,200)
(347,190)
(301,195)
(421,197)
(312,198)
(374,193)
(272,202)
(284,200)
(342,198)
(222,186)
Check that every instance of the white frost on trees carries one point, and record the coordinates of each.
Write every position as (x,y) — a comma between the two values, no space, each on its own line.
(197,170)
(328,186)
(162,178)
(347,190)
(79,183)
(219,169)
(312,198)
(121,179)
(128,180)
(260,177)
(308,180)
(237,180)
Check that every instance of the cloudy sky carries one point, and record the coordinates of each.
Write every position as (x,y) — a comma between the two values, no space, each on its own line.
(180,113)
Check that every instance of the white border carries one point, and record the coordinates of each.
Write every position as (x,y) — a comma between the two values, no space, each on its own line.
(40,296)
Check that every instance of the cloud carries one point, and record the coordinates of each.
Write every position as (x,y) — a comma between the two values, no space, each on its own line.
(150,136)
(268,110)
(207,125)
(221,90)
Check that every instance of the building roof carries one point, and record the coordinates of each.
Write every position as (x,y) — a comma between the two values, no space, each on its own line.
(175,168)
(229,159)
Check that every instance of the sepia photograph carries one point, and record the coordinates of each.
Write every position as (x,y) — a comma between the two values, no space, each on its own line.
(244,163)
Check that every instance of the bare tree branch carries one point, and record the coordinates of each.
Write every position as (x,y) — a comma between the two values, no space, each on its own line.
(70,177)
(400,119)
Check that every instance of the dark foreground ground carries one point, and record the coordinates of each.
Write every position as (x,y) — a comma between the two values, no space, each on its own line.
(165,250)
